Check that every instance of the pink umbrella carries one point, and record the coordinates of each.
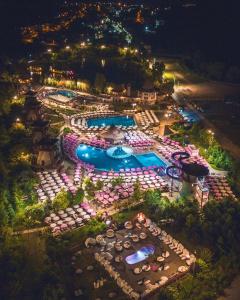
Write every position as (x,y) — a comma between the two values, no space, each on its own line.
(53,225)
(64,226)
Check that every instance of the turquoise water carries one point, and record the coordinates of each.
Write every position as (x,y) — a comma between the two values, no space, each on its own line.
(111,121)
(150,159)
(65,93)
(118,152)
(189,115)
(140,255)
(99,158)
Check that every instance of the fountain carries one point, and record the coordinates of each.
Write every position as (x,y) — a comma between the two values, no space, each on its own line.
(119,152)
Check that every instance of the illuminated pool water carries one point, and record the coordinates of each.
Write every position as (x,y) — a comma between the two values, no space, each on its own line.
(102,161)
(140,255)
(189,116)
(150,159)
(119,152)
(111,121)
(65,93)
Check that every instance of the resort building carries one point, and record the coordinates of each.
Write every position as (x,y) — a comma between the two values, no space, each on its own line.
(48,153)
(148,93)
(39,130)
(32,107)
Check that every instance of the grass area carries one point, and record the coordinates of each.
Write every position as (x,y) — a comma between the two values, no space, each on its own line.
(94,227)
(128,214)
(79,235)
(85,281)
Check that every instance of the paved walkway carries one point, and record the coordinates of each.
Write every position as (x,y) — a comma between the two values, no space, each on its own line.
(28,231)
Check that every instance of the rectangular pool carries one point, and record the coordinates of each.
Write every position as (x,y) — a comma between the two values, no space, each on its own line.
(140,255)
(150,159)
(111,121)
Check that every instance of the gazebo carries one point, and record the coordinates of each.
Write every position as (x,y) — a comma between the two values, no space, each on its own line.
(194,171)
(114,136)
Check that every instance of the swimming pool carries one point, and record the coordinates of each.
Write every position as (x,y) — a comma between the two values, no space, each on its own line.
(103,162)
(111,121)
(189,115)
(65,93)
(140,255)
(150,159)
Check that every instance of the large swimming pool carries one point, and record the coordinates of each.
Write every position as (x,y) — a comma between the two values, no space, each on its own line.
(99,158)
(140,255)
(111,121)
(65,93)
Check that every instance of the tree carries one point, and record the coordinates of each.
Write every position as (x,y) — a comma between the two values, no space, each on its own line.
(89,187)
(35,212)
(117,181)
(61,201)
(152,199)
(78,198)
(166,88)
(3,215)
(137,193)
(221,227)
(157,71)
(100,83)
(99,185)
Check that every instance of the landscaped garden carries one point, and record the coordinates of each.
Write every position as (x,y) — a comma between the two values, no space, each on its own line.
(80,218)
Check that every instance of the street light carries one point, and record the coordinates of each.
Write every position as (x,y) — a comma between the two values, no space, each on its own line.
(67,48)
(49,50)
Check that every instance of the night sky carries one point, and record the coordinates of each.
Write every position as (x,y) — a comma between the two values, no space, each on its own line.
(212,27)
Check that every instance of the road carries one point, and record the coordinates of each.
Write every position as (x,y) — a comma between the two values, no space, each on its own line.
(195,86)
(192,87)
(225,142)
(33,230)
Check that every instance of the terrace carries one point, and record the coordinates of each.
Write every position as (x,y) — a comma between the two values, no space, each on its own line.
(138,255)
